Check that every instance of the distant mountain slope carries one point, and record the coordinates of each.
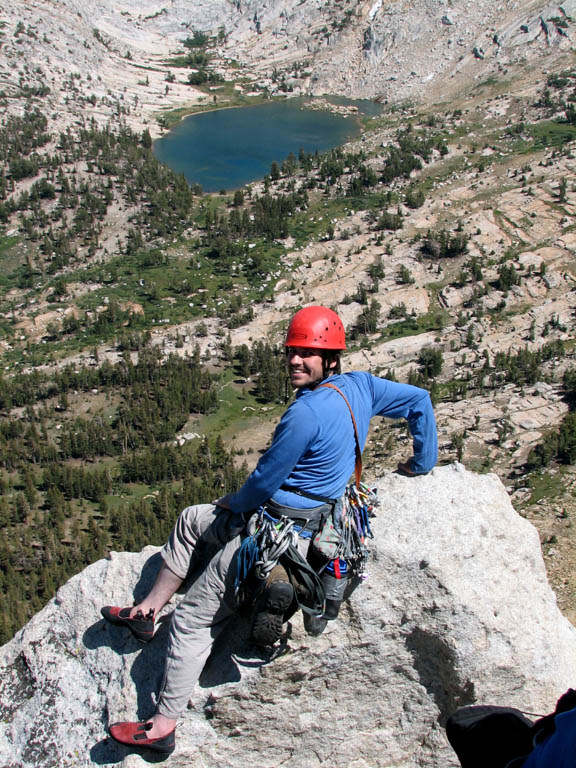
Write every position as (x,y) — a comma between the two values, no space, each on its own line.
(399,50)
(390,50)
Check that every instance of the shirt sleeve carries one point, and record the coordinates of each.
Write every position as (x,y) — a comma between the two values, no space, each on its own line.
(292,437)
(399,401)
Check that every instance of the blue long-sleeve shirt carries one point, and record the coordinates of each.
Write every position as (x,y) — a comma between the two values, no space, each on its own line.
(313,448)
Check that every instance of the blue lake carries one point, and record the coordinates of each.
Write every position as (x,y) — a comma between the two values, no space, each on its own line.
(227,148)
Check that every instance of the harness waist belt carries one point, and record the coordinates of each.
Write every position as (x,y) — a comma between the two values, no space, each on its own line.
(310,519)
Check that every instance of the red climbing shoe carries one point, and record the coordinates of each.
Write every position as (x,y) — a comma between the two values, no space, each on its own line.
(135,735)
(142,627)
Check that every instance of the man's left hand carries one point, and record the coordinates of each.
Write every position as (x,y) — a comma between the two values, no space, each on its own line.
(225,527)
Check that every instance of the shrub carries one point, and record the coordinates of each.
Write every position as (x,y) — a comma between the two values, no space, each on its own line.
(431,361)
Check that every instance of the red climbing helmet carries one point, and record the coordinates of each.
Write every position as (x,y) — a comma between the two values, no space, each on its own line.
(316,328)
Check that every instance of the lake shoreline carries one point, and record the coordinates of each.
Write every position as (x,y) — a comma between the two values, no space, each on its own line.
(199,109)
(226,154)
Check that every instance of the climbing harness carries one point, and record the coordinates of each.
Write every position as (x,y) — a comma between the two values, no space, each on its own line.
(338,547)
(272,540)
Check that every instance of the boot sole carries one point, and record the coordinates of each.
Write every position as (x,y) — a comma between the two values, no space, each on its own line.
(267,625)
(279,596)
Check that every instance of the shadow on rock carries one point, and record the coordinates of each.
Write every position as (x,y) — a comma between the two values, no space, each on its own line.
(118,638)
(438,671)
(235,651)
(147,577)
(109,752)
(222,666)
(148,670)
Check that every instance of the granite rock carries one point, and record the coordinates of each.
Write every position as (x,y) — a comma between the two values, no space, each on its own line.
(457,609)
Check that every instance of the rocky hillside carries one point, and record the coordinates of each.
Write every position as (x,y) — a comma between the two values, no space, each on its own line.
(115,59)
(457,610)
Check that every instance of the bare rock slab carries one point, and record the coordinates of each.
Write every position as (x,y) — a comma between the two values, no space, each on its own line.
(457,610)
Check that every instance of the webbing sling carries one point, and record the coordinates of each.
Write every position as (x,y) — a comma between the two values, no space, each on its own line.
(305,574)
(355,525)
(358,465)
(308,588)
(299,570)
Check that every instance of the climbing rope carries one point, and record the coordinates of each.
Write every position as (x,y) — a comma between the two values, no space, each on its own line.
(268,539)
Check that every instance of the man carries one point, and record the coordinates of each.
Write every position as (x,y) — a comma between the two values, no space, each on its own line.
(554,746)
(503,737)
(306,467)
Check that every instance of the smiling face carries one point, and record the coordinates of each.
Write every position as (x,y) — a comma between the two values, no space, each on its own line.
(305,366)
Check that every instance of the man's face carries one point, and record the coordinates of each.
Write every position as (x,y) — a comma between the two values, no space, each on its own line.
(304,366)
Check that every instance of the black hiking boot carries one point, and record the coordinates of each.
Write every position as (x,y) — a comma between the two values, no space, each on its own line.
(275,601)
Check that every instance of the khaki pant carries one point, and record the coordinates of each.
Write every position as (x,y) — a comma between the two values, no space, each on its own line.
(210,601)
(206,607)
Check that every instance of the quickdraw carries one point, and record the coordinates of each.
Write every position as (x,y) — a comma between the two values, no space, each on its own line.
(358,505)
